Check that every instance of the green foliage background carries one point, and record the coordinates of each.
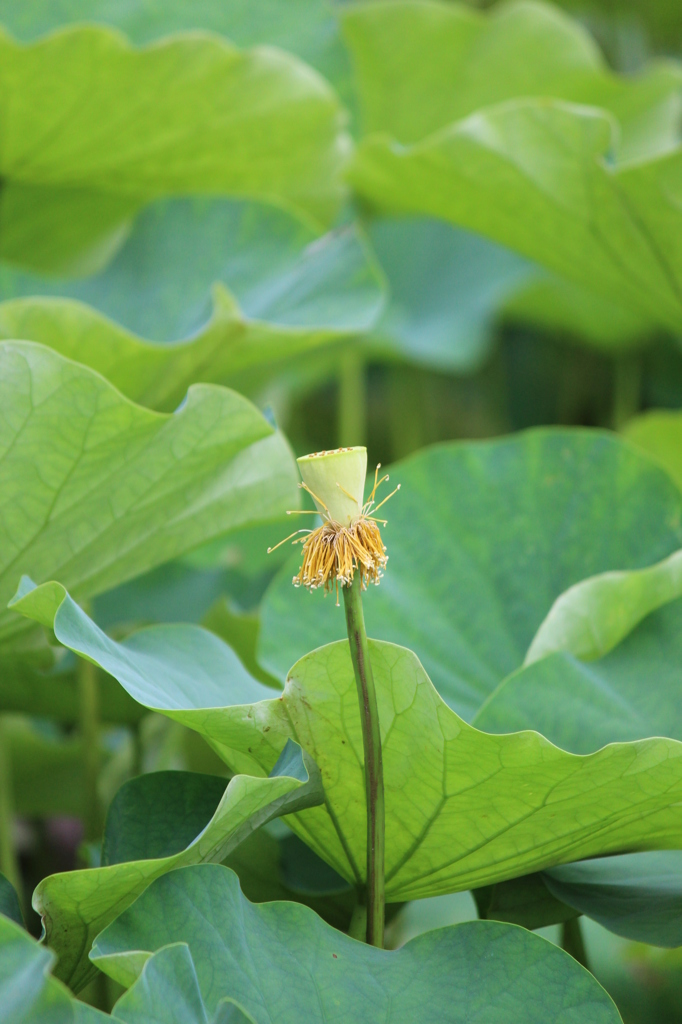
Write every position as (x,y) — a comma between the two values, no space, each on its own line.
(232,233)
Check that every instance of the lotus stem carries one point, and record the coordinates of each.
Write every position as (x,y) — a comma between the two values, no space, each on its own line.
(89,727)
(627,386)
(352,402)
(9,864)
(374,775)
(572,941)
(357,929)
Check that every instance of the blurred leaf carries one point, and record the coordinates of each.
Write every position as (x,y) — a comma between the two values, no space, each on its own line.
(537,176)
(293,294)
(174,592)
(240,630)
(659,434)
(637,895)
(77,905)
(542,806)
(304,27)
(461,138)
(28,994)
(557,306)
(97,490)
(593,616)
(461,61)
(315,972)
(446,288)
(55,694)
(47,769)
(658,18)
(191,114)
(526,901)
(482,539)
(9,901)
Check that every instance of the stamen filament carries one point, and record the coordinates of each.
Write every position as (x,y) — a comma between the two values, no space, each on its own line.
(348,494)
(286,539)
(318,500)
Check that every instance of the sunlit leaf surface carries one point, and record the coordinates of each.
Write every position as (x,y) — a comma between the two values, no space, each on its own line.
(463,808)
(96,489)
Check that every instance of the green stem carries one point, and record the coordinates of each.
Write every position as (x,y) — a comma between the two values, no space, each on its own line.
(406,411)
(9,864)
(627,387)
(352,409)
(357,929)
(89,724)
(374,774)
(138,751)
(572,941)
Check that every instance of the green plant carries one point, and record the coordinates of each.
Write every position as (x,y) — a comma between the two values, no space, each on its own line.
(229,233)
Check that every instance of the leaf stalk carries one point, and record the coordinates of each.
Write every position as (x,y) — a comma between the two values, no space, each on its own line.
(90,737)
(9,864)
(572,941)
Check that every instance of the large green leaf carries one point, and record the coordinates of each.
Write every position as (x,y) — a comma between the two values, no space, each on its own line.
(446,288)
(159,814)
(167,992)
(28,994)
(582,682)
(191,114)
(288,293)
(460,61)
(659,434)
(9,901)
(631,693)
(482,539)
(637,895)
(593,616)
(471,136)
(96,489)
(77,905)
(282,963)
(463,808)
(304,27)
(535,175)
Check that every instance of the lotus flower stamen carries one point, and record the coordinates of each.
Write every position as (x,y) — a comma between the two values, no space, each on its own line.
(349,539)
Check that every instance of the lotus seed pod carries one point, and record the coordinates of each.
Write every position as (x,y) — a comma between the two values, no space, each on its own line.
(336,481)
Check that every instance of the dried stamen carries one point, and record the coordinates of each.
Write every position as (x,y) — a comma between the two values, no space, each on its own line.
(335,551)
